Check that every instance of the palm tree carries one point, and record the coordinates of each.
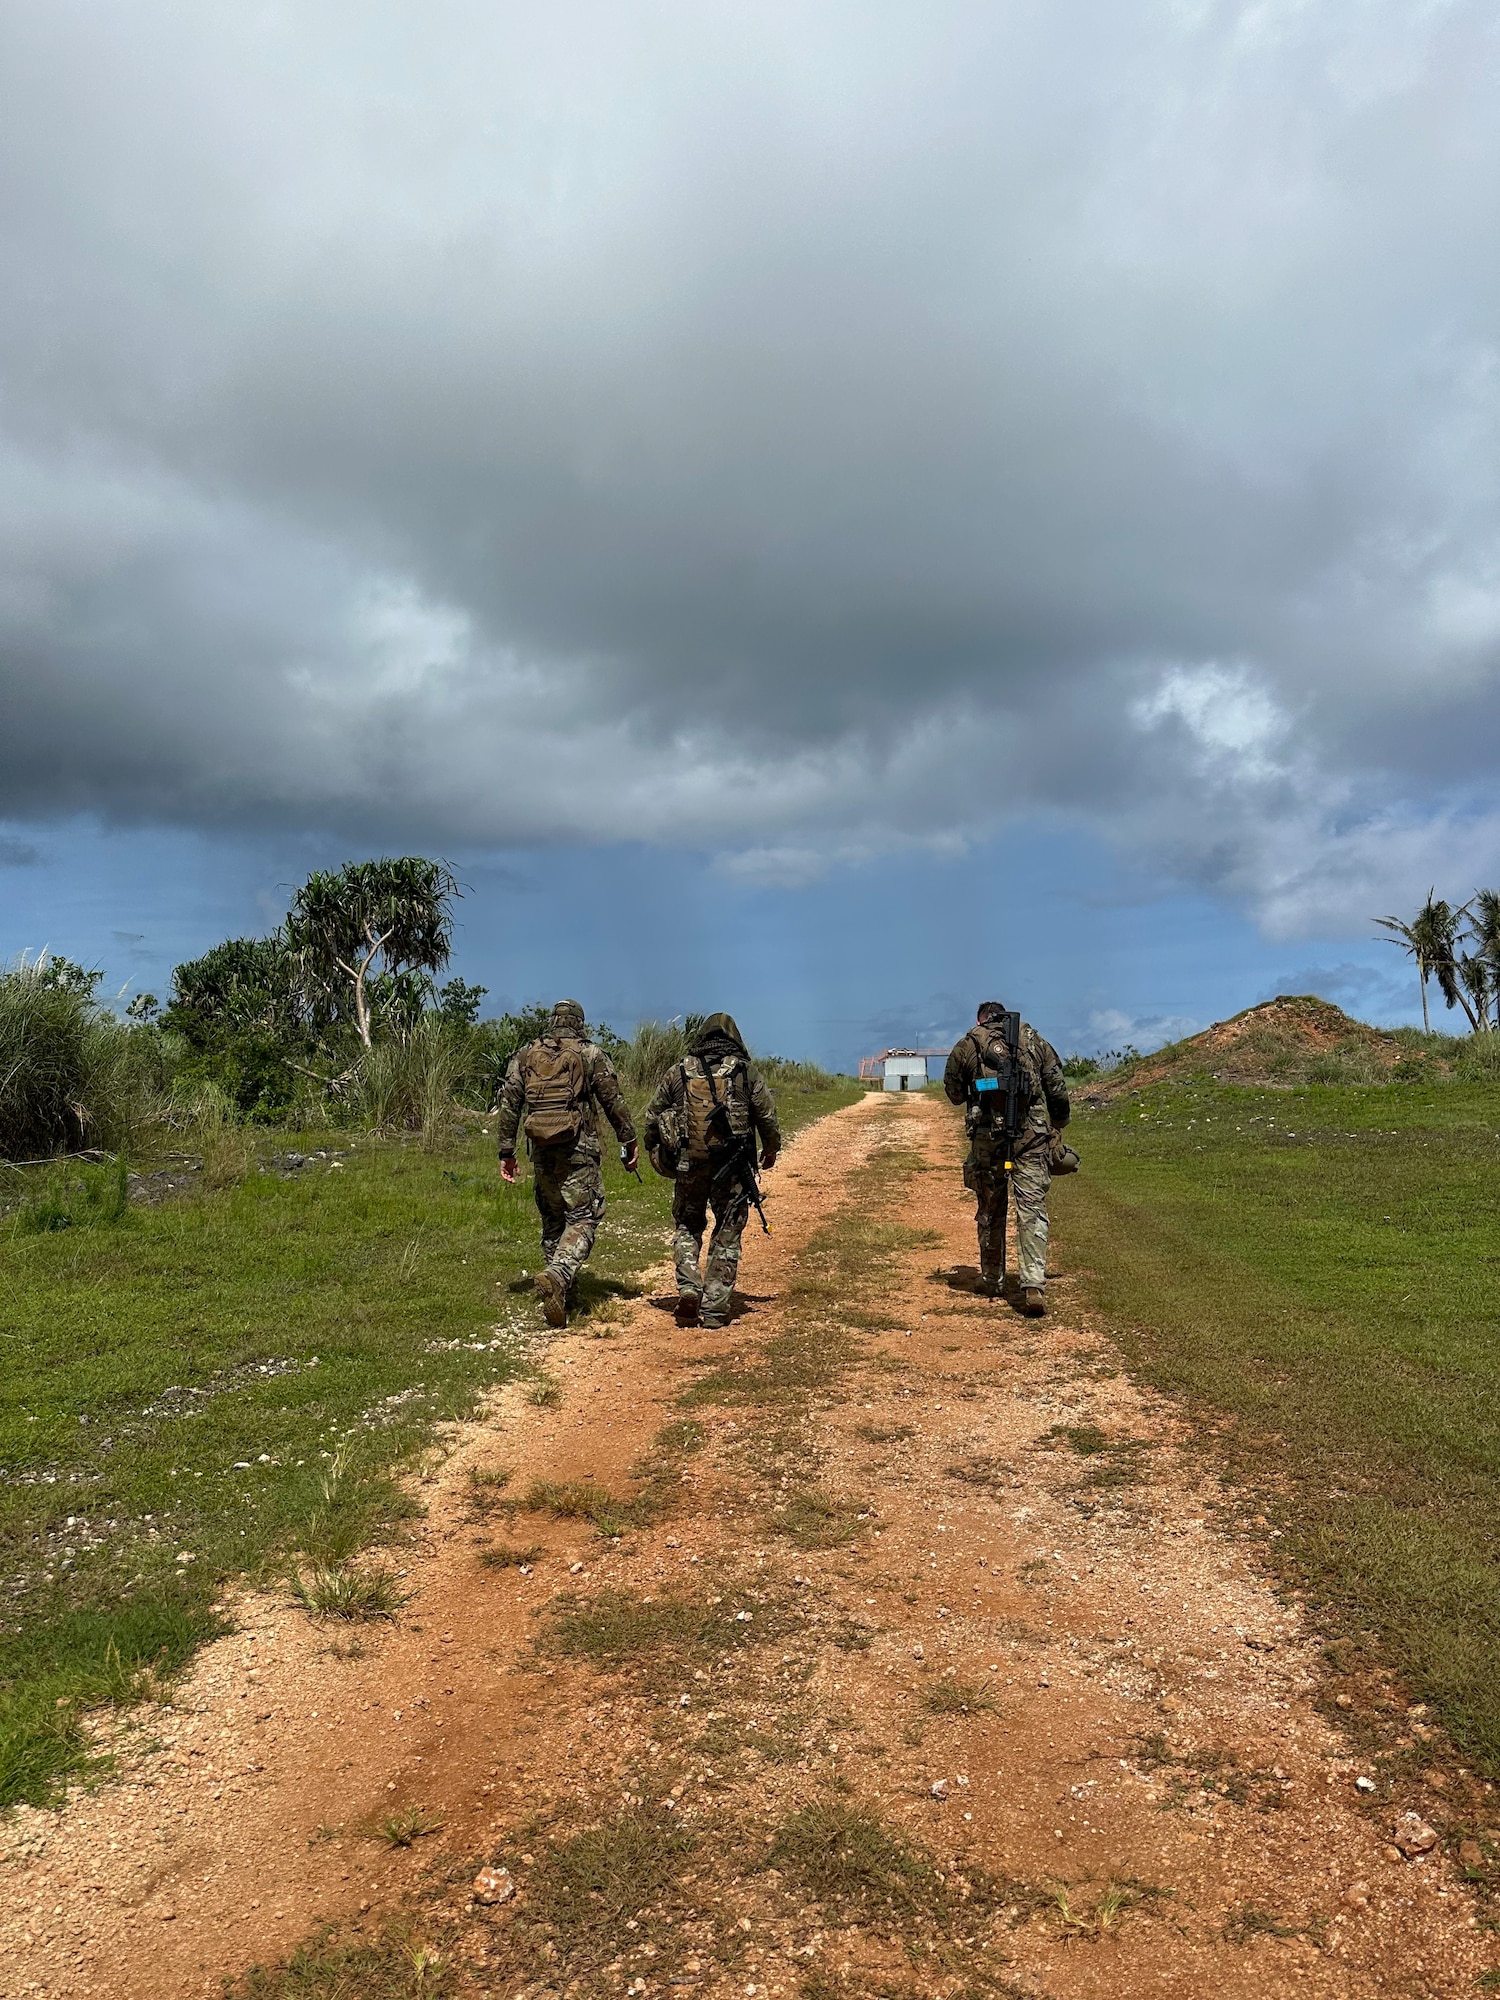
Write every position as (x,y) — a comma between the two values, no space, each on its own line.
(1431,939)
(1478,983)
(1417,941)
(1443,922)
(1484,934)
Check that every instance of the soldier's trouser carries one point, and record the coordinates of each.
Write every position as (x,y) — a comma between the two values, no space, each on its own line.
(690,1205)
(1032,1176)
(570,1195)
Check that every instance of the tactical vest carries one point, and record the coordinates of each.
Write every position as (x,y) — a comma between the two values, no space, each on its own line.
(715,1110)
(555,1078)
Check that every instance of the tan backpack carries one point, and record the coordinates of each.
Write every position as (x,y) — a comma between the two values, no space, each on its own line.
(708,1123)
(555,1080)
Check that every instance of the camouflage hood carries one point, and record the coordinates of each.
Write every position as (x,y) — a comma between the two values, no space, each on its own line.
(716,1038)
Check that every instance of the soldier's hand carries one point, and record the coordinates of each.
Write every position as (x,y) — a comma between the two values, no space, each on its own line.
(630,1158)
(509,1171)
(767,1161)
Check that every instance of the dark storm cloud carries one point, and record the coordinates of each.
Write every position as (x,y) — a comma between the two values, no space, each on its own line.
(791,430)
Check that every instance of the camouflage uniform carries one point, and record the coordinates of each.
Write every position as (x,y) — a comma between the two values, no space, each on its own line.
(984,1169)
(751,1109)
(568,1179)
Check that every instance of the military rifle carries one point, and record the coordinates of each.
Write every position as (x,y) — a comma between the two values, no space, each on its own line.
(741,1162)
(1003,1093)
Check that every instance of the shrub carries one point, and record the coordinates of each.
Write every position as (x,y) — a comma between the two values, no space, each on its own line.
(71,1075)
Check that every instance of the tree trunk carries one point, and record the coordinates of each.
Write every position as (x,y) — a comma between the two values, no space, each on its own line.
(361,1005)
(1426,1024)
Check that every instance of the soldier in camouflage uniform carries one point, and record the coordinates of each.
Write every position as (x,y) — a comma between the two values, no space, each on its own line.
(717,1072)
(984,1170)
(563,1081)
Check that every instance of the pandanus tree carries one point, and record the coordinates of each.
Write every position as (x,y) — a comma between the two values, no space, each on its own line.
(369,938)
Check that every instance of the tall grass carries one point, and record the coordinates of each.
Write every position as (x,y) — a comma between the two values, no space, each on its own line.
(72,1076)
(657,1047)
(414,1085)
(653,1049)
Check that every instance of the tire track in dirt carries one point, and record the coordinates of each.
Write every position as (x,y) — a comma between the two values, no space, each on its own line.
(937,1677)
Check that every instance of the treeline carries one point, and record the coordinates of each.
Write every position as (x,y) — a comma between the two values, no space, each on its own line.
(340,1016)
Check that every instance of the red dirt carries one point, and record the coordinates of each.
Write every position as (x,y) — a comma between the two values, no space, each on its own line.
(1134,1651)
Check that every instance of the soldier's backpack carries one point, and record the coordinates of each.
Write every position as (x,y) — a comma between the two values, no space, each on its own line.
(555,1080)
(989,1091)
(710,1094)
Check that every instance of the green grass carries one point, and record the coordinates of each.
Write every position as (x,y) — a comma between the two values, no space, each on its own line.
(1319,1266)
(586,1889)
(957,1697)
(858,1868)
(618,1629)
(392,1966)
(358,1593)
(234,1376)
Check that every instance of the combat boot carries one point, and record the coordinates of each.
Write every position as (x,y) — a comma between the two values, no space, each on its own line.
(553,1294)
(687,1309)
(1033,1302)
(991,1284)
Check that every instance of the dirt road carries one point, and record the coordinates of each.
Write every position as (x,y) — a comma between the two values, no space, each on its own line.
(939,1670)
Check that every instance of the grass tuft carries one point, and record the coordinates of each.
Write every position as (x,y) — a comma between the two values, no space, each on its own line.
(617,1628)
(815,1520)
(504,1555)
(394,1966)
(588,1887)
(580,1500)
(954,1697)
(406,1827)
(357,1593)
(854,1865)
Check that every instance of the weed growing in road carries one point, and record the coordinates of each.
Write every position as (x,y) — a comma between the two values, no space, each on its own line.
(955,1697)
(406,1827)
(1077,1919)
(346,1590)
(618,1629)
(991,1475)
(814,1520)
(504,1555)
(588,1888)
(579,1500)
(1246,1921)
(394,1966)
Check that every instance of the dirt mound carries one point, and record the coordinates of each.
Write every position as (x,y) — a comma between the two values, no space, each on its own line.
(1295,1038)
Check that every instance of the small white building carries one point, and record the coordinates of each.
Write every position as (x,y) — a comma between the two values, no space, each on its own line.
(904,1069)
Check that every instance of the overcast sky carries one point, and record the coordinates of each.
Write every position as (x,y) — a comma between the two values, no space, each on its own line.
(785,450)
